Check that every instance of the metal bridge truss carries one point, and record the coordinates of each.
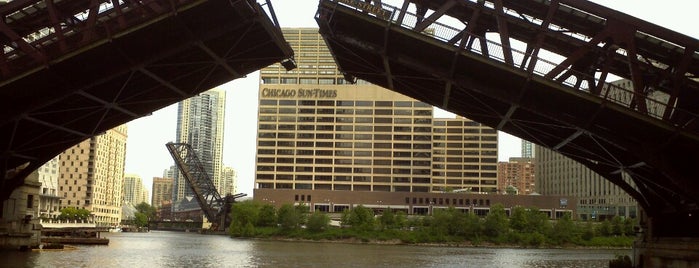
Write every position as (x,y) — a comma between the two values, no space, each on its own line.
(215,207)
(72,69)
(462,56)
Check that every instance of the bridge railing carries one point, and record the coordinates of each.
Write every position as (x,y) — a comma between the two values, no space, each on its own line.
(655,105)
(46,43)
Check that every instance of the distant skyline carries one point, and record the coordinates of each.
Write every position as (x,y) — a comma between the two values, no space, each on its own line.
(147,156)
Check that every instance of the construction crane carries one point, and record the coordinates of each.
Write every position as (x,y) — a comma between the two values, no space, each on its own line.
(216,208)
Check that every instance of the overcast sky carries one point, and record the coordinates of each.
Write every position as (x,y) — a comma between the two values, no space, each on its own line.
(147,156)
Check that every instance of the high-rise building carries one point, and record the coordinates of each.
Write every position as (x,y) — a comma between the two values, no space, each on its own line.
(317,133)
(162,191)
(527,149)
(517,173)
(170,172)
(200,123)
(145,196)
(229,179)
(464,156)
(598,198)
(134,191)
(92,175)
(48,197)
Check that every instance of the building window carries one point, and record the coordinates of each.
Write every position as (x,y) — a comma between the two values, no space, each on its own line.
(30,201)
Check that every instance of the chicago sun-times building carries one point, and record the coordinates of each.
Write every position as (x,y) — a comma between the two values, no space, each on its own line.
(334,145)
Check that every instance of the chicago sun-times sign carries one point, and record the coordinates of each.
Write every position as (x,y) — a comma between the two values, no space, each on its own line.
(300,93)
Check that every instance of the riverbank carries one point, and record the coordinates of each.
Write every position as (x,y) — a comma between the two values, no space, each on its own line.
(398,242)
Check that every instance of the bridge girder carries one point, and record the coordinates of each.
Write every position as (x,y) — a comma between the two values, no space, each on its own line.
(556,105)
(70,70)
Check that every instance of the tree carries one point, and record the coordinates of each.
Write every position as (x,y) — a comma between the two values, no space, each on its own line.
(146,209)
(287,217)
(449,221)
(243,216)
(400,219)
(302,211)
(617,225)
(496,223)
(359,217)
(628,226)
(537,221)
(473,228)
(605,228)
(519,219)
(267,216)
(563,230)
(588,232)
(71,213)
(511,190)
(387,219)
(140,219)
(318,221)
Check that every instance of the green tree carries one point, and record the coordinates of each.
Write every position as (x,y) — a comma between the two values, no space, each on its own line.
(628,226)
(243,216)
(302,211)
(387,219)
(519,219)
(267,216)
(473,228)
(287,217)
(604,228)
(449,221)
(617,225)
(147,210)
(359,217)
(496,222)
(537,221)
(71,213)
(564,230)
(588,232)
(400,220)
(140,219)
(318,221)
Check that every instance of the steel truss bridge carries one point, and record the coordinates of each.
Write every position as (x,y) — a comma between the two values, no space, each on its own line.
(216,208)
(72,69)
(538,69)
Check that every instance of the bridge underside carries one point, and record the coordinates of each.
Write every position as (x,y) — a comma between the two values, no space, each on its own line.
(186,49)
(620,144)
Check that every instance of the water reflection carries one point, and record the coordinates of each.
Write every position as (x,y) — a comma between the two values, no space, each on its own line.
(172,249)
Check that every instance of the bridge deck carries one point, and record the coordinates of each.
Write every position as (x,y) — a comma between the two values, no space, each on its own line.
(597,131)
(110,69)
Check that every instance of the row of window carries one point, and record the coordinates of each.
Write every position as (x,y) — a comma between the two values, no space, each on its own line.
(447,201)
(343,187)
(344,103)
(318,152)
(363,187)
(348,128)
(418,157)
(326,111)
(381,176)
(376,145)
(342,136)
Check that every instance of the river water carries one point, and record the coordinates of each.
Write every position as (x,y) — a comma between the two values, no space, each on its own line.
(176,249)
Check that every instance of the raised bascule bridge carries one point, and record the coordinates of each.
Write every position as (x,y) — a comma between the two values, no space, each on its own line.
(539,70)
(72,69)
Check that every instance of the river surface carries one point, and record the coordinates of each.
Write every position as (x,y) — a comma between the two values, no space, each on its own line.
(176,249)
